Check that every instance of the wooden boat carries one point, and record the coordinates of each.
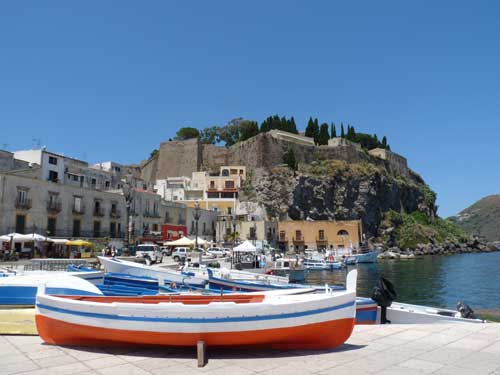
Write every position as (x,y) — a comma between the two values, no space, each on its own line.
(312,264)
(304,321)
(290,267)
(20,290)
(136,269)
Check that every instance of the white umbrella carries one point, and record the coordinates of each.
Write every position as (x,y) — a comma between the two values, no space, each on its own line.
(183,241)
(201,241)
(29,237)
(245,247)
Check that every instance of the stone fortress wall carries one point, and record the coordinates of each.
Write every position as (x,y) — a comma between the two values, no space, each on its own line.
(265,150)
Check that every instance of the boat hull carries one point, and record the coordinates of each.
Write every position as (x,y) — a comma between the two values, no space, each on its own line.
(135,269)
(322,335)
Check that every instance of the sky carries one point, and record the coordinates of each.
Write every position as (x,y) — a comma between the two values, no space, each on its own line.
(109,80)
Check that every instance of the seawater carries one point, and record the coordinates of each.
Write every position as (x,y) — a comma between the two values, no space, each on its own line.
(439,281)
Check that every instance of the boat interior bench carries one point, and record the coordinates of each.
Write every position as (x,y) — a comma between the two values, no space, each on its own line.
(187,300)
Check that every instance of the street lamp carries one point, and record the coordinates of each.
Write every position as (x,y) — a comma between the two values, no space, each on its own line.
(128,194)
(196,216)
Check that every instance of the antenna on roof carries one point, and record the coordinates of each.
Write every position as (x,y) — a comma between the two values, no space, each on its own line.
(37,143)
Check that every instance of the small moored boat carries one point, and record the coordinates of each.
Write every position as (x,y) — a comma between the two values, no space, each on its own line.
(304,321)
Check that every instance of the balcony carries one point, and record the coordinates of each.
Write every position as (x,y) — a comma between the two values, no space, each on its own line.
(79,210)
(23,204)
(115,213)
(98,211)
(283,239)
(151,214)
(251,237)
(54,206)
(298,240)
(322,239)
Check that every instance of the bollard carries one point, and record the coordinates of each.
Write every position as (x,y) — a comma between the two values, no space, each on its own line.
(201,353)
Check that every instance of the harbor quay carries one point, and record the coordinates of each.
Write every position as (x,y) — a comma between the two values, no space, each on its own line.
(377,349)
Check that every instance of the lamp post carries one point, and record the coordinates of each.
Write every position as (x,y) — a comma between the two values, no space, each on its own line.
(196,216)
(128,194)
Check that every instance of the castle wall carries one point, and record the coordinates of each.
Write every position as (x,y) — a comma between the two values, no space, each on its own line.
(178,158)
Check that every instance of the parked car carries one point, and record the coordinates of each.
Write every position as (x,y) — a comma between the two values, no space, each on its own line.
(166,250)
(217,252)
(149,252)
(180,254)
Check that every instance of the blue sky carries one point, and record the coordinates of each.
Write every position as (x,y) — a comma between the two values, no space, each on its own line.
(109,80)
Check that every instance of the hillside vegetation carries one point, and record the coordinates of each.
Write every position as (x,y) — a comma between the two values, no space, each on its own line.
(482,218)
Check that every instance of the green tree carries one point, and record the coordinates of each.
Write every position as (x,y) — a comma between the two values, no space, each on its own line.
(384,142)
(289,159)
(310,129)
(333,131)
(153,153)
(186,133)
(323,135)
(342,133)
(248,129)
(293,126)
(210,135)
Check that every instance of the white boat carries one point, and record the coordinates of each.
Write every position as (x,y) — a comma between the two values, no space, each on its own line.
(20,290)
(303,321)
(136,269)
(312,264)
(290,267)
(369,257)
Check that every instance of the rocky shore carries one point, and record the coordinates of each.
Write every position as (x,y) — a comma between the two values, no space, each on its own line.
(446,248)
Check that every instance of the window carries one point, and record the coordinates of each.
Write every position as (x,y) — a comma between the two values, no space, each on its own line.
(51,226)
(112,230)
(107,184)
(20,224)
(22,196)
(204,227)
(225,172)
(298,235)
(155,227)
(53,176)
(321,234)
(212,184)
(52,160)
(342,232)
(76,228)
(229,184)
(282,235)
(229,210)
(77,204)
(93,182)
(97,229)
(119,230)
(253,233)
(213,195)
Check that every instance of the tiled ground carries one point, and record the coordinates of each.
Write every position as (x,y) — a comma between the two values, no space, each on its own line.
(391,349)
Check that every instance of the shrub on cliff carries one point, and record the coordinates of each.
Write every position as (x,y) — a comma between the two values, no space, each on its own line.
(186,133)
(409,230)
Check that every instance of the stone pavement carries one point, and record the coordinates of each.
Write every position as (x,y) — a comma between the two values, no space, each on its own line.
(390,349)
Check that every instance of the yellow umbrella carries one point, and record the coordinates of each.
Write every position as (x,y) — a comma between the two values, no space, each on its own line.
(79,243)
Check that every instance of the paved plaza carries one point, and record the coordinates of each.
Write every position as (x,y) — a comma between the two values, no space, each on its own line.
(390,349)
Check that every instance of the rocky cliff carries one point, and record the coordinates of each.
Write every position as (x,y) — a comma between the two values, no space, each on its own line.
(336,190)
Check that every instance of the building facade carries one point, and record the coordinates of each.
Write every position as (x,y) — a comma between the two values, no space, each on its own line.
(301,235)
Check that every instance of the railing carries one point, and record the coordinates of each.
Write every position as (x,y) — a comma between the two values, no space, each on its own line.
(321,239)
(54,206)
(298,239)
(69,233)
(98,211)
(23,204)
(115,213)
(283,239)
(151,214)
(79,210)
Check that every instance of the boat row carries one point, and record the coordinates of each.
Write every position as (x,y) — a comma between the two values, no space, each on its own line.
(135,304)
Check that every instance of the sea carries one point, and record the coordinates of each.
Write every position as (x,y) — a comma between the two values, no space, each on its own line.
(439,280)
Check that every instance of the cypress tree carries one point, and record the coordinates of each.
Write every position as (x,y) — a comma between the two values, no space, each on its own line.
(310,128)
(316,131)
(289,158)
(333,131)
(323,135)
(293,126)
(342,133)
(384,142)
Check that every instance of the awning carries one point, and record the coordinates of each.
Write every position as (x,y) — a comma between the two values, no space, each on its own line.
(245,247)
(17,237)
(183,241)
(79,243)
(201,241)
(60,241)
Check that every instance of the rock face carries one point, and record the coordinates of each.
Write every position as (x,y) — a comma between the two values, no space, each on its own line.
(342,192)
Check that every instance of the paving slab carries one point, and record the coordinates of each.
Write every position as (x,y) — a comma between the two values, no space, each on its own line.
(390,349)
